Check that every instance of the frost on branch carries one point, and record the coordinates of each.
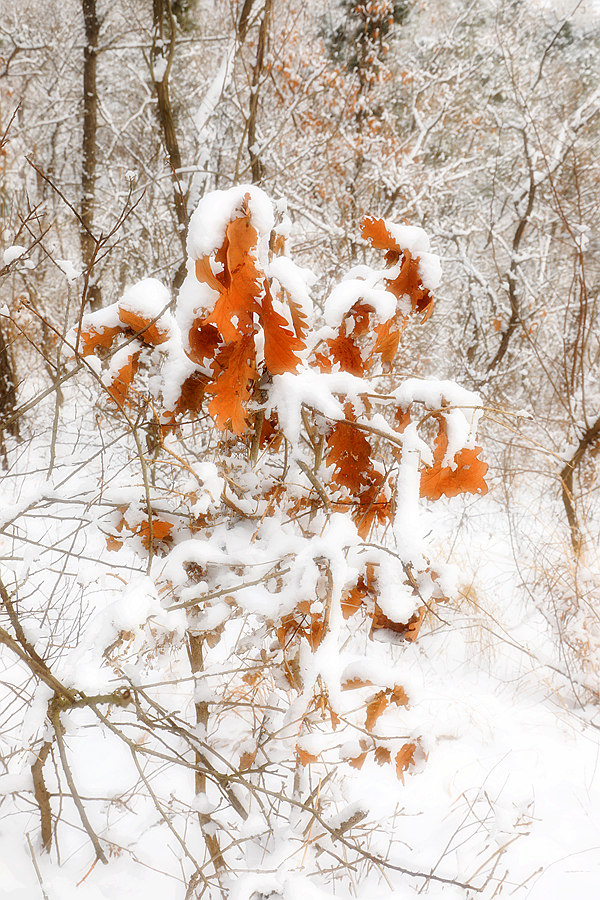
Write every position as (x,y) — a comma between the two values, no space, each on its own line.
(300,535)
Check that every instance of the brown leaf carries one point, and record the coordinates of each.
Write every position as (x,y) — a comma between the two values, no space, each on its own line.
(382,756)
(375,708)
(232,387)
(305,757)
(399,696)
(357,762)
(467,477)
(149,333)
(353,684)
(404,759)
(344,351)
(119,387)
(203,340)
(281,345)
(92,339)
(247,758)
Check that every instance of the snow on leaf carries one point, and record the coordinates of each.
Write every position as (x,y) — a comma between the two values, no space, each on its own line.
(145,329)
(242,282)
(93,338)
(304,757)
(466,477)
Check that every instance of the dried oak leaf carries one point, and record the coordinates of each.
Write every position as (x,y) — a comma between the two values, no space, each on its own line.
(405,758)
(467,477)
(232,387)
(232,313)
(281,345)
(92,339)
(205,273)
(357,762)
(375,231)
(375,708)
(352,600)
(147,330)
(409,279)
(382,756)
(161,531)
(304,757)
(349,452)
(247,758)
(386,344)
(203,340)
(408,630)
(344,351)
(119,386)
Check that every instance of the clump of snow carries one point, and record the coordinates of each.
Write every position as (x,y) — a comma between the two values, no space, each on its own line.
(71,269)
(13,253)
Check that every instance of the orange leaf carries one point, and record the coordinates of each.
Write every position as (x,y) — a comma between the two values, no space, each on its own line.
(242,282)
(382,756)
(354,683)
(375,231)
(247,758)
(408,630)
(160,531)
(232,387)
(345,352)
(281,345)
(119,387)
(357,762)
(352,601)
(91,339)
(203,340)
(388,338)
(375,708)
(113,543)
(404,759)
(467,477)
(205,273)
(399,696)
(305,757)
(150,333)
(349,452)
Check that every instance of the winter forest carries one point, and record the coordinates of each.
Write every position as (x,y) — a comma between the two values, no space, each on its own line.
(299,449)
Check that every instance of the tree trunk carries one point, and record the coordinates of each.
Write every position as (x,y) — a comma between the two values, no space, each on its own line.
(90,128)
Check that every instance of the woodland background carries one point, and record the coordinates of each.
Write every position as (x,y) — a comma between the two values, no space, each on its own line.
(478,121)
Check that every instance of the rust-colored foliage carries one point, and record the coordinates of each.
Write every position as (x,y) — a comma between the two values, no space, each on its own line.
(466,478)
(304,757)
(376,708)
(408,281)
(281,345)
(145,329)
(407,630)
(344,351)
(93,339)
(119,387)
(235,372)
(405,758)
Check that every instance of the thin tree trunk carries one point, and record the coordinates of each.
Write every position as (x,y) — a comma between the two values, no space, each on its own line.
(256,165)
(161,58)
(90,130)
(196,657)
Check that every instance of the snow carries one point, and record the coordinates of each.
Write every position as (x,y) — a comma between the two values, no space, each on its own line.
(72,270)
(505,790)
(13,253)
